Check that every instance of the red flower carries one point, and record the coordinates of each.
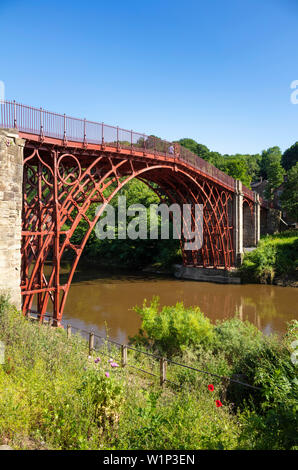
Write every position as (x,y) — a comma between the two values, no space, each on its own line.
(218,403)
(211,388)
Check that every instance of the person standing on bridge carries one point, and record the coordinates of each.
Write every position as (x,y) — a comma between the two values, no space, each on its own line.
(171,149)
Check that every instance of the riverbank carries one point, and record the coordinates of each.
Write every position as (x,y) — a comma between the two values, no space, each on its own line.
(274,261)
(53,396)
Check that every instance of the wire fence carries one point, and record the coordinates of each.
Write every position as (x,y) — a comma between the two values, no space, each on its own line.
(158,367)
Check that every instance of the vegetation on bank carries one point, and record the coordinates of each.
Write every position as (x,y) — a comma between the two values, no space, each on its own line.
(53,396)
(275,258)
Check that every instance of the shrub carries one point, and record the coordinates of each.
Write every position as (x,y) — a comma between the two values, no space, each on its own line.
(173,329)
(275,255)
(182,421)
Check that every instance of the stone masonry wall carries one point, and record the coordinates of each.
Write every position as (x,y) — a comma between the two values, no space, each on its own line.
(11,176)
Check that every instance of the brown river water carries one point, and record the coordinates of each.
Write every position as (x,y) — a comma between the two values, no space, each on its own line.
(97,298)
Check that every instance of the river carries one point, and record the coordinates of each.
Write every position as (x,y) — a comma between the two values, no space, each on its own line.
(98,298)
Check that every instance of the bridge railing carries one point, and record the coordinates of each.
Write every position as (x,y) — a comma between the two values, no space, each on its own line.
(247,192)
(38,121)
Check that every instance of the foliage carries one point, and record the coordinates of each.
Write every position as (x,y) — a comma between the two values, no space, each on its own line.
(275,255)
(174,328)
(50,392)
(242,167)
(273,425)
(187,420)
(272,170)
(52,396)
(199,149)
(290,157)
(289,195)
(237,349)
(238,169)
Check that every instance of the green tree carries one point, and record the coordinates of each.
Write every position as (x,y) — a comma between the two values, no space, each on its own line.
(216,159)
(199,149)
(272,170)
(271,153)
(190,144)
(289,197)
(237,168)
(253,163)
(203,151)
(290,157)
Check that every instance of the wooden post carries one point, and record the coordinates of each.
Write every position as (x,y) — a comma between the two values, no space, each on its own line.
(163,370)
(91,343)
(68,331)
(123,355)
(225,384)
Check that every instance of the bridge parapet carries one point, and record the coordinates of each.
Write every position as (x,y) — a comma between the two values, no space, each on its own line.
(46,124)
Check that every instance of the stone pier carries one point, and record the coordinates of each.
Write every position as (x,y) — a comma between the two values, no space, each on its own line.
(247,223)
(11,180)
(238,222)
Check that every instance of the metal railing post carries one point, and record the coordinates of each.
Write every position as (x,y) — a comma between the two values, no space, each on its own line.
(102,134)
(64,133)
(85,131)
(14,114)
(41,123)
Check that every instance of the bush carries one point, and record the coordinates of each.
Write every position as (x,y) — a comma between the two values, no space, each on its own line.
(273,423)
(181,421)
(275,255)
(173,329)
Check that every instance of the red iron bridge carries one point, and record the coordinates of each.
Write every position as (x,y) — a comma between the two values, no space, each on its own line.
(71,163)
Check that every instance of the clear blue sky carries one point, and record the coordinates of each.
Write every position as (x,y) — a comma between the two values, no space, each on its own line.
(218,71)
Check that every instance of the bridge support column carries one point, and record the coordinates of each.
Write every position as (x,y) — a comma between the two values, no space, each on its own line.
(238,222)
(257,219)
(11,180)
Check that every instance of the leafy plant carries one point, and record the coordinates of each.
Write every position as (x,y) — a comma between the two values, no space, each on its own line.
(173,329)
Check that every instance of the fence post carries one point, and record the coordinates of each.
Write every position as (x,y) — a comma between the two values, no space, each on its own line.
(225,384)
(123,355)
(91,343)
(68,331)
(163,370)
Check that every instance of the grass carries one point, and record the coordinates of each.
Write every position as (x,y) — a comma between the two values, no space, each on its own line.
(53,396)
